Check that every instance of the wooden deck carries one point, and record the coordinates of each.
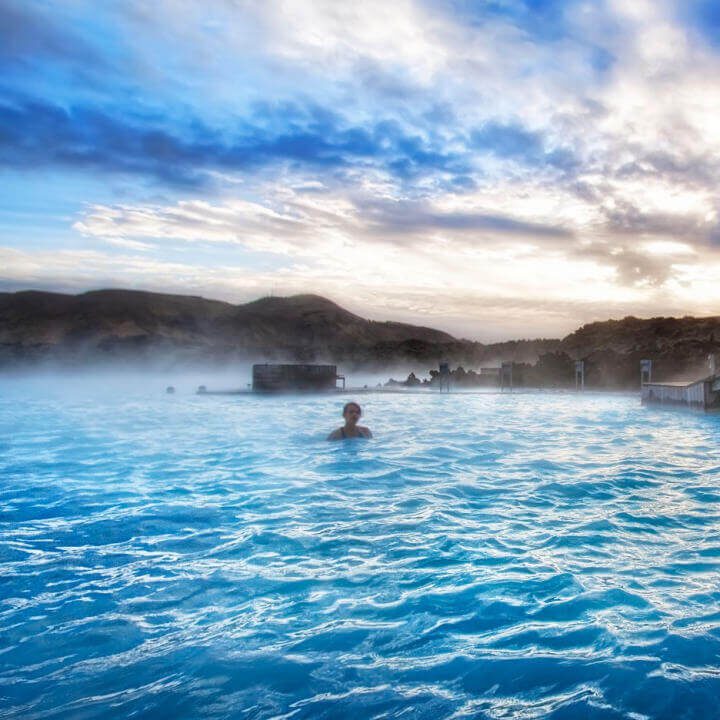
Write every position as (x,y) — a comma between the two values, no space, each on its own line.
(703,394)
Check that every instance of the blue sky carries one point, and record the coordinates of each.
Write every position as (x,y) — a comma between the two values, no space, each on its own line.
(497,169)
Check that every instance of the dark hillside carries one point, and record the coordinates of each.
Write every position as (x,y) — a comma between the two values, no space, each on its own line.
(132,326)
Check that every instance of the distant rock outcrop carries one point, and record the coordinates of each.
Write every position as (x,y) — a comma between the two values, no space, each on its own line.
(612,349)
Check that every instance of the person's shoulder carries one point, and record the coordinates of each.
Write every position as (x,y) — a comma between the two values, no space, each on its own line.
(335,435)
(365,431)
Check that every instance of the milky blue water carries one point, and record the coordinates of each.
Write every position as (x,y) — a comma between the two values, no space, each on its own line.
(486,556)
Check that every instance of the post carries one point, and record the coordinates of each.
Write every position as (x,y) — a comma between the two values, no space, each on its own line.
(506,376)
(580,375)
(712,363)
(444,376)
(645,372)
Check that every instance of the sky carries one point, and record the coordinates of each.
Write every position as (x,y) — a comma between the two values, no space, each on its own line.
(497,169)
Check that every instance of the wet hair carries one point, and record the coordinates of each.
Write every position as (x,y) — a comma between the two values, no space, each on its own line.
(348,404)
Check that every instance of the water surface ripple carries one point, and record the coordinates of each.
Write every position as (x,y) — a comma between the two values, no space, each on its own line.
(486,556)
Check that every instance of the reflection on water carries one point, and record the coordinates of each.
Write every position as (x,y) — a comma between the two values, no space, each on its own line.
(525,556)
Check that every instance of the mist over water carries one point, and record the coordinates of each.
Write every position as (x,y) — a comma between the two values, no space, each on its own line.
(532,555)
(101,378)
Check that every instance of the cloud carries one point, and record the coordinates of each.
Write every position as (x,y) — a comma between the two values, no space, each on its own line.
(311,220)
(28,36)
(626,218)
(704,17)
(406,216)
(516,142)
(334,233)
(544,20)
(37,133)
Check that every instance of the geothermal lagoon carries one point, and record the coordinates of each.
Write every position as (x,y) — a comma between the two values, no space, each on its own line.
(525,555)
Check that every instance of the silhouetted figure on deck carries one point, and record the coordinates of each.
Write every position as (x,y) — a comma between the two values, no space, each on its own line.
(351,412)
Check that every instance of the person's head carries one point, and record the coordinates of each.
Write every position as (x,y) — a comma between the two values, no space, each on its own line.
(351,413)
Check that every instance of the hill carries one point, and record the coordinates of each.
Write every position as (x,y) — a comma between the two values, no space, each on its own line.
(137,326)
(134,325)
(678,347)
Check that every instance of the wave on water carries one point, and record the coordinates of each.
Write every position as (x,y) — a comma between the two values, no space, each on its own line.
(485,556)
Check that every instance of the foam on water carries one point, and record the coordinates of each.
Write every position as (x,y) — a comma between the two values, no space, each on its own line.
(486,556)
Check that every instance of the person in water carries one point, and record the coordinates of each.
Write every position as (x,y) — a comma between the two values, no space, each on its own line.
(351,412)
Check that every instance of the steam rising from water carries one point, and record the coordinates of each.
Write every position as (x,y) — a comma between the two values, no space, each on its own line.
(133,377)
